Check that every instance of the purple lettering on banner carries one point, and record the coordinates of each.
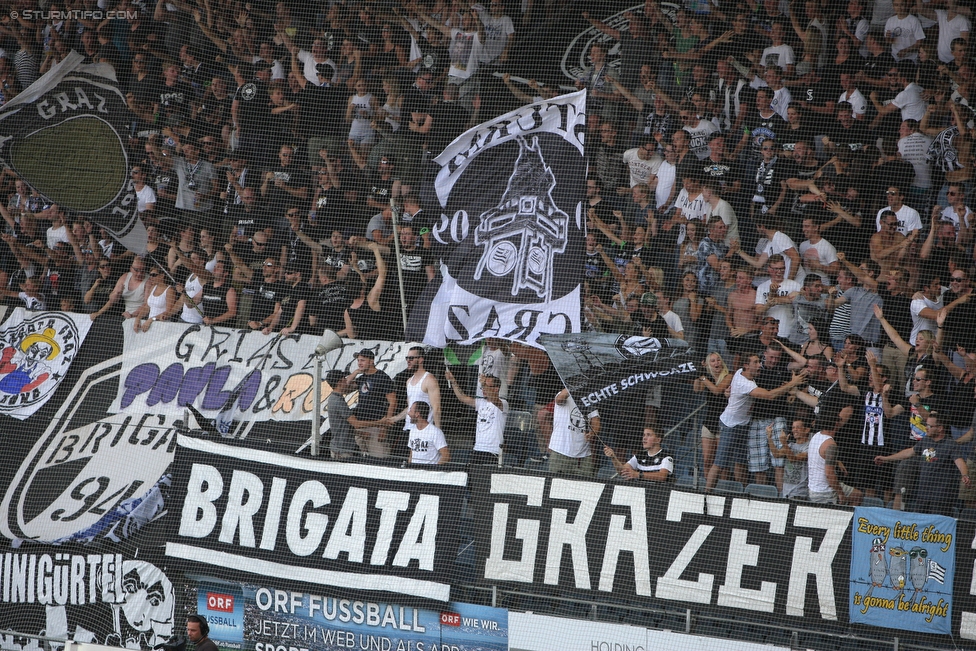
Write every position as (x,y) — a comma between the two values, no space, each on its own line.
(167,386)
(216,396)
(194,382)
(141,379)
(249,388)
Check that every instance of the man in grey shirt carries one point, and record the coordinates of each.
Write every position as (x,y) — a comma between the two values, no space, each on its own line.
(343,444)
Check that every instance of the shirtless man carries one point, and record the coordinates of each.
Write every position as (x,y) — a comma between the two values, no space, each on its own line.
(889,247)
(742,304)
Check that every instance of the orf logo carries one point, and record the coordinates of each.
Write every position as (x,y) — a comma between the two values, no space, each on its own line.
(222,602)
(450,619)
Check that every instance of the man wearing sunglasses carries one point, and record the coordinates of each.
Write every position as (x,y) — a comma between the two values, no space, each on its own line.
(264,295)
(908,218)
(943,458)
(417,385)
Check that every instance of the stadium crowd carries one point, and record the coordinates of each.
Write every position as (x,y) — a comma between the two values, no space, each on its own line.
(785,186)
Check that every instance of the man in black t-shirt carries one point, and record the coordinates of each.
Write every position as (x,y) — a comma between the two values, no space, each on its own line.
(290,299)
(416,123)
(285,184)
(815,94)
(327,302)
(263,295)
(251,110)
(760,124)
(846,133)
(417,265)
(320,105)
(377,400)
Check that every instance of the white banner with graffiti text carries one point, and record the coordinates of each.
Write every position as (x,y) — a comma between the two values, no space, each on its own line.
(36,349)
(247,376)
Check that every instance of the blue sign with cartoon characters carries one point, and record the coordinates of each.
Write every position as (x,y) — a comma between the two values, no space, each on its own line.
(902,566)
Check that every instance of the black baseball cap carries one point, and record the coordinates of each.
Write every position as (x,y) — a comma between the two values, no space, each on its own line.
(334,377)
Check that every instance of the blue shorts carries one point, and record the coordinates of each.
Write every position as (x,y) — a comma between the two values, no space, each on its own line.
(732,446)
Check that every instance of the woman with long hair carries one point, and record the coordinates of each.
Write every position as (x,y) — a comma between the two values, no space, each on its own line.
(813,346)
(361,108)
(714,382)
(924,348)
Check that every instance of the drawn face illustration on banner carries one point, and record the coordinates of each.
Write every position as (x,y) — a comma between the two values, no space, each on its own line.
(36,350)
(149,605)
(139,607)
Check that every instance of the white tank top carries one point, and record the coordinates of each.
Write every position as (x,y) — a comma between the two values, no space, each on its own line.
(817,478)
(133,298)
(191,288)
(157,304)
(415,393)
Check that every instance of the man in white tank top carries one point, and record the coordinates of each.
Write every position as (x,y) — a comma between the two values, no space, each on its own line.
(824,468)
(422,386)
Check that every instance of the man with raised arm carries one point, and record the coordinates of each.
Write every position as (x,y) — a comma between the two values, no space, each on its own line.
(492,416)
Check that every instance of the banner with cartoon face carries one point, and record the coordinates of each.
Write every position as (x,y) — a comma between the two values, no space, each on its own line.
(902,570)
(107,598)
(510,229)
(36,349)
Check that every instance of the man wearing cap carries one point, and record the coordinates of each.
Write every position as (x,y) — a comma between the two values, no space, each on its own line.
(377,400)
(647,319)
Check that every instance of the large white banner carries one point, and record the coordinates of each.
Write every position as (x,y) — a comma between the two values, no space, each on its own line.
(252,376)
(36,349)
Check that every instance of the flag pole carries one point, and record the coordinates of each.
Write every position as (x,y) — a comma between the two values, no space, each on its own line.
(395,211)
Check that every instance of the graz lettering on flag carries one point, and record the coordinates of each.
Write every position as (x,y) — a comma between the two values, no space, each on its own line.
(65,136)
(510,229)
